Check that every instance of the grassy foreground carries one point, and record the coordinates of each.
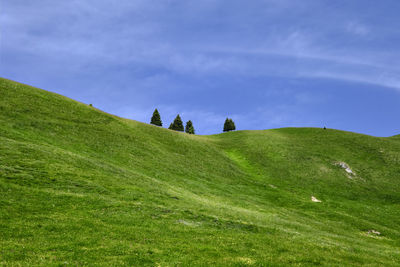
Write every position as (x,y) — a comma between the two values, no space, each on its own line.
(82,187)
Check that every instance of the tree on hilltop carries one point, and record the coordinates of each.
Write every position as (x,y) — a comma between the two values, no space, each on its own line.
(189,127)
(226,125)
(177,125)
(156,118)
(232,124)
(229,125)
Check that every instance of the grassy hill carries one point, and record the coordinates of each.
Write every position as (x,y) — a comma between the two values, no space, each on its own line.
(82,187)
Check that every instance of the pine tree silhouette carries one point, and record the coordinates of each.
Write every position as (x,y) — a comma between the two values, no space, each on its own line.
(189,127)
(177,125)
(156,118)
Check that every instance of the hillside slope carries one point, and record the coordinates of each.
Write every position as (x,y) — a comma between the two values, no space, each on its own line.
(82,187)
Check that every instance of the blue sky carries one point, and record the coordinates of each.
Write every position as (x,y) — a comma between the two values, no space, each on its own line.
(266,63)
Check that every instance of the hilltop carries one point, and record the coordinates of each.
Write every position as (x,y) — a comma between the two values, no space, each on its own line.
(79,186)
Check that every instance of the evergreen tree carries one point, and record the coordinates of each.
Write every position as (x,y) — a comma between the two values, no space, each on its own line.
(177,125)
(156,118)
(232,124)
(226,125)
(171,126)
(229,125)
(189,127)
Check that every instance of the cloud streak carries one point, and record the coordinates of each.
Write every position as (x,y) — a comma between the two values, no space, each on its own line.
(158,51)
(100,32)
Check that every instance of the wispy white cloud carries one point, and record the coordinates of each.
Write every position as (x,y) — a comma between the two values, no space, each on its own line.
(97,31)
(143,48)
(357,28)
(378,79)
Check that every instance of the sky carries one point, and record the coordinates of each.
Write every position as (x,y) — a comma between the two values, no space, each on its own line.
(263,63)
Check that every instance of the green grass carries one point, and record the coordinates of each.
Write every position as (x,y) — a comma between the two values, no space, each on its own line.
(82,187)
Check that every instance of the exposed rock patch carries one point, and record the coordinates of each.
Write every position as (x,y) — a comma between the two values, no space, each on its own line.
(373,232)
(350,173)
(314,199)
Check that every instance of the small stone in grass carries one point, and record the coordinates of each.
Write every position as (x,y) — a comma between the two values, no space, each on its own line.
(374,232)
(314,199)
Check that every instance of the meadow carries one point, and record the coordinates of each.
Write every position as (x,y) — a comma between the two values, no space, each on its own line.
(80,187)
